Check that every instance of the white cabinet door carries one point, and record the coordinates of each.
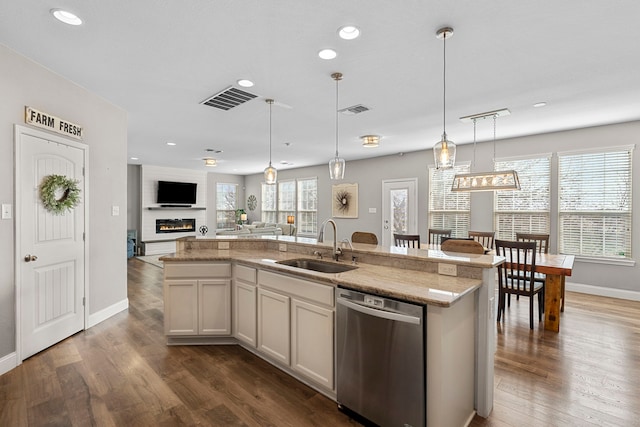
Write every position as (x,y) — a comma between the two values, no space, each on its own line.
(274,325)
(244,313)
(312,342)
(214,307)
(180,307)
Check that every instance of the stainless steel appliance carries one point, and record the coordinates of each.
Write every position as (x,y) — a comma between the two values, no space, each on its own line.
(380,345)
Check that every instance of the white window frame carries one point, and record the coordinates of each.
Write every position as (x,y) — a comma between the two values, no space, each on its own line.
(449,209)
(304,210)
(592,182)
(527,210)
(225,215)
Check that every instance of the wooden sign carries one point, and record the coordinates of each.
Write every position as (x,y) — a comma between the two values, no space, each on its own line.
(52,123)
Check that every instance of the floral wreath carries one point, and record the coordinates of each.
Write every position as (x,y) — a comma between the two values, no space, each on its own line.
(70,193)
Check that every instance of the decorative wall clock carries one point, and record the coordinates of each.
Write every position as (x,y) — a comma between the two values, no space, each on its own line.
(252,202)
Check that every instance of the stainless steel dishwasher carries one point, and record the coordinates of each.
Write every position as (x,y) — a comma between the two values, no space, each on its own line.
(380,346)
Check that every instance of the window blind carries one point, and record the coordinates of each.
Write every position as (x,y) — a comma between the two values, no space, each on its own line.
(307,220)
(528,209)
(448,209)
(268,206)
(594,209)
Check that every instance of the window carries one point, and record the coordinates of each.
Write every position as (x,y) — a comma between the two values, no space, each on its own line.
(448,209)
(269,207)
(595,203)
(295,197)
(526,210)
(226,204)
(307,221)
(286,200)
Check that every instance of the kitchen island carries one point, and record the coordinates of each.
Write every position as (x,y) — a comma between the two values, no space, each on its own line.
(233,290)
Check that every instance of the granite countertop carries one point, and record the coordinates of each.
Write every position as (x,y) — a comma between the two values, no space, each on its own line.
(408,285)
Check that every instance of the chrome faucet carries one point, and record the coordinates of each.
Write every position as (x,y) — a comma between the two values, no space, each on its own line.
(336,250)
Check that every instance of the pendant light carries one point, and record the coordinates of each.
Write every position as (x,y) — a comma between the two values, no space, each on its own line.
(270,173)
(486,181)
(444,152)
(336,165)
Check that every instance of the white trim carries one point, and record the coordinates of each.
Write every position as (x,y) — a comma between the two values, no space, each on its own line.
(106,313)
(603,292)
(8,362)
(597,150)
(18,131)
(627,262)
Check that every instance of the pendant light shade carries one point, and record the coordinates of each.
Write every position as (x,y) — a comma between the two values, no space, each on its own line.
(337,165)
(270,173)
(486,181)
(444,152)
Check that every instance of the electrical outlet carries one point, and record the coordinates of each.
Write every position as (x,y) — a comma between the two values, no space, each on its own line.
(447,269)
(6,211)
(373,210)
(223,245)
(115,210)
(282,247)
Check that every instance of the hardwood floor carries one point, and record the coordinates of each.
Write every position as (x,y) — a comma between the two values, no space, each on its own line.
(121,373)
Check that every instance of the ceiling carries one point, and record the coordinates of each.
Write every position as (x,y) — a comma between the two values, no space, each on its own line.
(158,60)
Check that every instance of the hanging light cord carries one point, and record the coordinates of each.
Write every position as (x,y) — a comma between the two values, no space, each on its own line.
(473,166)
(337,78)
(495,116)
(270,104)
(444,83)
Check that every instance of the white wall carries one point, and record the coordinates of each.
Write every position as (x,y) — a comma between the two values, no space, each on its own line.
(370,173)
(23,82)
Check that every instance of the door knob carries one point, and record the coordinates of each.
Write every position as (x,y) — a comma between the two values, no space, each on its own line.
(29,258)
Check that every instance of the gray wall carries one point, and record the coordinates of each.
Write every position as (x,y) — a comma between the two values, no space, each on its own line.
(133,199)
(23,82)
(369,175)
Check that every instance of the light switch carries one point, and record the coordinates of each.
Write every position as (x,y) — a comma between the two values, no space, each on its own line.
(372,210)
(115,210)
(6,211)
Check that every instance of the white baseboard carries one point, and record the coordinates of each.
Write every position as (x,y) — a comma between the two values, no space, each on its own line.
(603,292)
(8,362)
(106,313)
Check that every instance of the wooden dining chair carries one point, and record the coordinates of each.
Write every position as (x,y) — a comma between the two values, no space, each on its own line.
(436,235)
(542,246)
(463,246)
(514,275)
(407,240)
(364,237)
(485,238)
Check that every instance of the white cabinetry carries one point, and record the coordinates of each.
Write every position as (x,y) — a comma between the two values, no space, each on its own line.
(244,304)
(274,325)
(197,299)
(295,325)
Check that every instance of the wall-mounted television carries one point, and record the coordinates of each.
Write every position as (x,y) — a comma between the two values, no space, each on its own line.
(176,193)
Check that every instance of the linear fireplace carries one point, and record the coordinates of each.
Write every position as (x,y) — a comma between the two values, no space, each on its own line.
(183,225)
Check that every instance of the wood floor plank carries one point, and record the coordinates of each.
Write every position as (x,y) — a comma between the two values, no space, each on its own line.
(121,373)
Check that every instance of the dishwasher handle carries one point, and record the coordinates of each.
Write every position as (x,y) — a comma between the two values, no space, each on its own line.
(379,313)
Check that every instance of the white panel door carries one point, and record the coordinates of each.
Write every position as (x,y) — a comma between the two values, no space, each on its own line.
(51,248)
(399,208)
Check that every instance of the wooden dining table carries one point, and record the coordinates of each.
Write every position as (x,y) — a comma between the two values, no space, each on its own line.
(556,268)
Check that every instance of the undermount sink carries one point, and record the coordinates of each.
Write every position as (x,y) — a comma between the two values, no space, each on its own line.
(317,265)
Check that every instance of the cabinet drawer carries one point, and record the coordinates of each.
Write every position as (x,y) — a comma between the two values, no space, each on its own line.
(322,294)
(196,269)
(246,274)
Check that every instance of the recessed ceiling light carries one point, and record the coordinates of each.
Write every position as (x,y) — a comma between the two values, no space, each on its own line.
(66,17)
(327,54)
(245,83)
(208,161)
(171,143)
(133,158)
(539,104)
(349,32)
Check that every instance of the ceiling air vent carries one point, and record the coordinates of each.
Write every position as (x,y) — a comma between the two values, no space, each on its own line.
(354,109)
(229,98)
